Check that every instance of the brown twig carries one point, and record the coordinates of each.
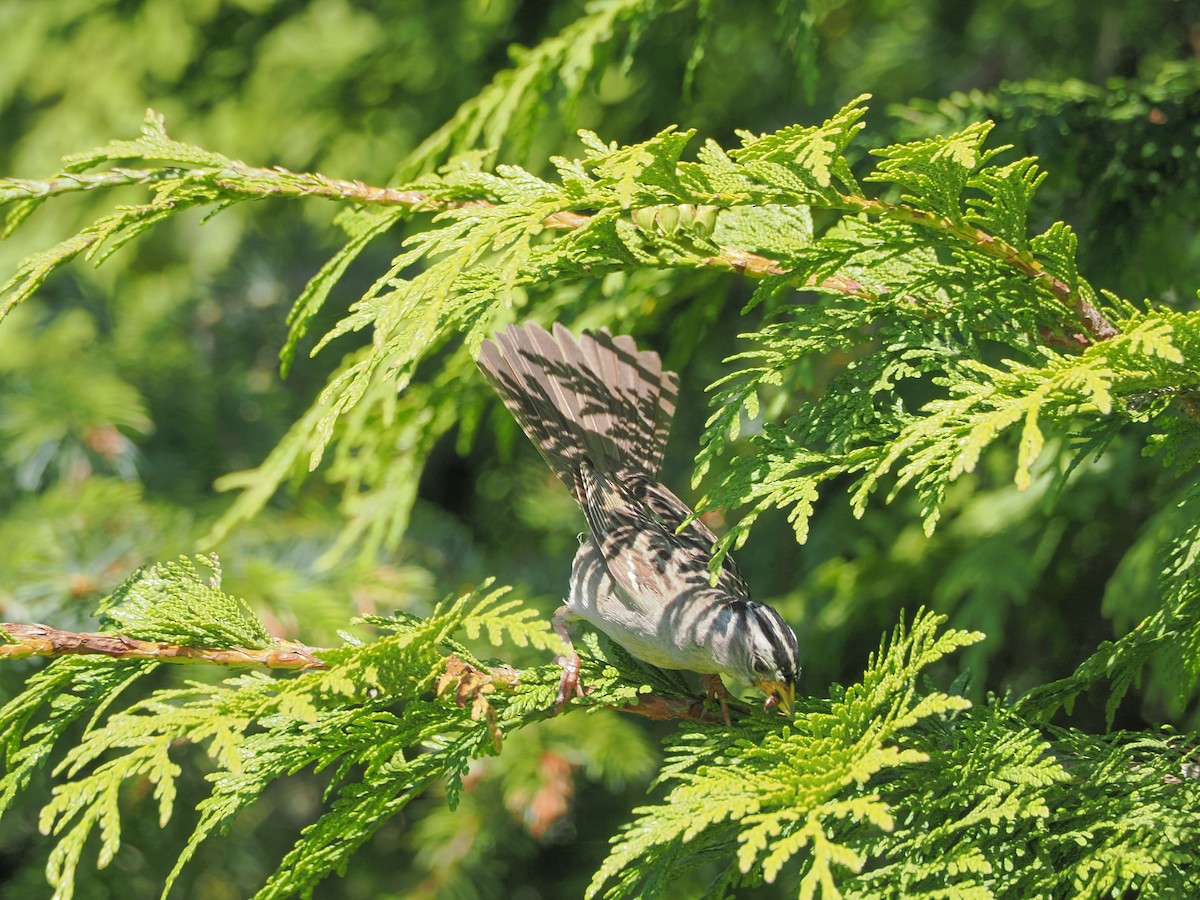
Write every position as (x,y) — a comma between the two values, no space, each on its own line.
(42,640)
(1097,326)
(254,182)
(466,681)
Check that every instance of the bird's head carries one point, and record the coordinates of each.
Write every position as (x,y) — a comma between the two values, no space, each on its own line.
(771,657)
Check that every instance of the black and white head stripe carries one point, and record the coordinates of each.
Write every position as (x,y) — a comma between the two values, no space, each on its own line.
(785,651)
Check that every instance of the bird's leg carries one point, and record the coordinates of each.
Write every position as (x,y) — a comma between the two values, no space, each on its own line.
(568,685)
(715,689)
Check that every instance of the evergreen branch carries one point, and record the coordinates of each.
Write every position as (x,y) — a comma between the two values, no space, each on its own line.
(42,640)
(13,189)
(1098,327)
(796,792)
(467,681)
(248,182)
(235,180)
(262,182)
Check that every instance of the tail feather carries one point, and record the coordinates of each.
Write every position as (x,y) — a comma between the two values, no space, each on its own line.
(596,399)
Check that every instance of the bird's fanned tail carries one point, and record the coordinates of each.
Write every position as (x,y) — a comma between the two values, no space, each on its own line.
(596,401)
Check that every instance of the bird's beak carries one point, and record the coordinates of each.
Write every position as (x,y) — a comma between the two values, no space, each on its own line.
(779,694)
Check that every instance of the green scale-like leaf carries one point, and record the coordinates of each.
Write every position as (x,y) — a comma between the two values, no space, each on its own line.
(778,794)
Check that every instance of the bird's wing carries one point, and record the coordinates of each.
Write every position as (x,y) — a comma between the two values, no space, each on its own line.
(673,512)
(633,519)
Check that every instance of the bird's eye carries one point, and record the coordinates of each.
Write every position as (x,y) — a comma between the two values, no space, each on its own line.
(760,666)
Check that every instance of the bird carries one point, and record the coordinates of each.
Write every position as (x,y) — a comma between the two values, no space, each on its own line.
(599,412)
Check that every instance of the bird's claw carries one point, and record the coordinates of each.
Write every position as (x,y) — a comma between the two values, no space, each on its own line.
(568,684)
(714,689)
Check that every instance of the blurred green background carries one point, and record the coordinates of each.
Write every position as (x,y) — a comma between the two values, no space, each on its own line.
(125,390)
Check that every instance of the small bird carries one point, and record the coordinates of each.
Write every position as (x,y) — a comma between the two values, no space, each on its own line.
(599,412)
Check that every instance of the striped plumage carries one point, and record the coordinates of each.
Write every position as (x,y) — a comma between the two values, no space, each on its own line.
(599,412)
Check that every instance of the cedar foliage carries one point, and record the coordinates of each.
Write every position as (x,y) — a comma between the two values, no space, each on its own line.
(910,330)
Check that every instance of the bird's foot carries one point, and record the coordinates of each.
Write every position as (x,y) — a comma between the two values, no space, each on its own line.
(568,685)
(714,689)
